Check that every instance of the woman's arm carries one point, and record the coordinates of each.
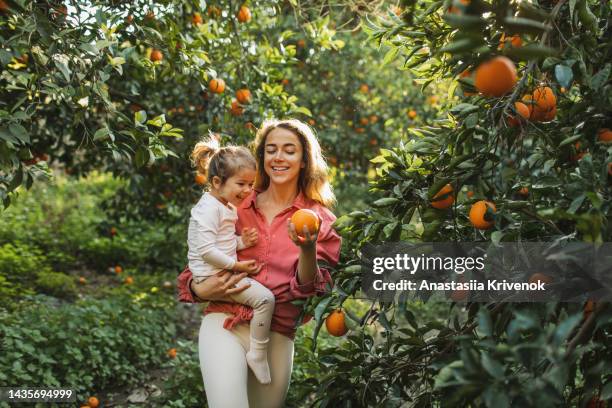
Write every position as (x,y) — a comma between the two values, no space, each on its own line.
(218,287)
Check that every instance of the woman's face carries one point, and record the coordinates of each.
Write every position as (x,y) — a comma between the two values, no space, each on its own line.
(283,154)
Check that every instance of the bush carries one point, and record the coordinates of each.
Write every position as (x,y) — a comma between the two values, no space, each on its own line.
(56,284)
(87,346)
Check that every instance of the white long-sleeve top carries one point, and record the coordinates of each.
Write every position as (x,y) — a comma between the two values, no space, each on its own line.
(211,237)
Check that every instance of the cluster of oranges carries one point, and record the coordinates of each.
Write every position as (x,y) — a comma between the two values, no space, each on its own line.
(243,95)
(481,212)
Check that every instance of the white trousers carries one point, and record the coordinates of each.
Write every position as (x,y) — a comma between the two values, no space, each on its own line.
(228,382)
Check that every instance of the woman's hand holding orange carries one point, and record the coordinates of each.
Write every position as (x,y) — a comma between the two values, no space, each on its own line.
(305,239)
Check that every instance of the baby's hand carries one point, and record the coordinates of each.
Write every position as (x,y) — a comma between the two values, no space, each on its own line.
(249,267)
(249,237)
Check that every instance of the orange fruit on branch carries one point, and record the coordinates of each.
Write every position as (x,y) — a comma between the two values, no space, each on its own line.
(216,85)
(244,14)
(118,269)
(412,114)
(495,77)
(236,109)
(514,41)
(604,135)
(523,112)
(214,11)
(196,19)
(335,323)
(129,280)
(243,95)
(3,6)
(544,104)
(82,280)
(524,191)
(200,179)
(156,55)
(364,88)
(305,218)
(364,121)
(443,198)
(93,402)
(171,353)
(480,215)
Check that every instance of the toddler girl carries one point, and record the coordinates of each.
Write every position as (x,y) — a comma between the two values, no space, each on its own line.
(212,239)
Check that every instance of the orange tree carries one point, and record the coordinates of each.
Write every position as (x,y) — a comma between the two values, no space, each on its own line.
(126,87)
(527,133)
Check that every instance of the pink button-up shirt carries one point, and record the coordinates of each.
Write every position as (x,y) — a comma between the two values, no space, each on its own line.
(279,256)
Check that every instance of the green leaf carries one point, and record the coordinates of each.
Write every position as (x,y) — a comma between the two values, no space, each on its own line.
(570,139)
(493,367)
(101,133)
(465,22)
(19,132)
(63,69)
(140,117)
(531,51)
(303,110)
(385,202)
(564,75)
(600,78)
(520,25)
(576,203)
(606,391)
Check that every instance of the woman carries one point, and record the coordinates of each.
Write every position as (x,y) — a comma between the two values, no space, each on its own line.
(291,174)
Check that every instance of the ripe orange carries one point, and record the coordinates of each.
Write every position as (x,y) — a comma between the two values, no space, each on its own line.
(360,130)
(364,88)
(243,95)
(563,90)
(150,15)
(544,102)
(156,55)
(373,119)
(129,280)
(604,135)
(443,198)
(216,85)
(82,280)
(540,277)
(478,214)
(524,191)
(301,43)
(495,77)
(364,121)
(118,269)
(285,82)
(373,142)
(514,41)
(129,19)
(305,218)
(334,323)
(200,179)
(113,231)
(312,122)
(3,6)
(244,14)
(236,109)
(523,112)
(196,19)
(250,126)
(171,353)
(93,402)
(412,114)
(470,194)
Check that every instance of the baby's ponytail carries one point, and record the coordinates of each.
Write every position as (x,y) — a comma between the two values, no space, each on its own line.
(203,153)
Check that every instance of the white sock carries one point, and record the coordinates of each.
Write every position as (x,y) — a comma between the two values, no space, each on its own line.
(257,359)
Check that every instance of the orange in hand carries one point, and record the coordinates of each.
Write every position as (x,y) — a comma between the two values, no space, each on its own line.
(305,218)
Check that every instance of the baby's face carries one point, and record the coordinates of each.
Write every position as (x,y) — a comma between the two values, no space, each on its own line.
(238,187)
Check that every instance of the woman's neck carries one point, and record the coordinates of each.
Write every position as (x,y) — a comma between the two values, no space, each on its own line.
(281,195)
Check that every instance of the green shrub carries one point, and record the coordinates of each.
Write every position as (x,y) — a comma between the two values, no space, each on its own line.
(56,284)
(88,346)
(184,388)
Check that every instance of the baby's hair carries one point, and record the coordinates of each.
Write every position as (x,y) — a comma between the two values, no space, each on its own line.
(210,159)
